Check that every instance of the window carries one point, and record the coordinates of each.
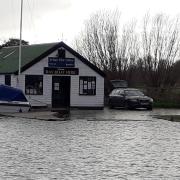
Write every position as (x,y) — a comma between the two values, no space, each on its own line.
(61,53)
(34,85)
(8,80)
(87,85)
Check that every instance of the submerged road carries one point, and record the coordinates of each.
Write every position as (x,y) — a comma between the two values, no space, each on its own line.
(109,144)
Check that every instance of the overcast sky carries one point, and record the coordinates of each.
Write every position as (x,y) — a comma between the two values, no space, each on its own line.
(55,20)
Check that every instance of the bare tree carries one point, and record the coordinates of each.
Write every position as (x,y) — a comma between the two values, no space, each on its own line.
(128,51)
(98,42)
(113,51)
(122,53)
(160,49)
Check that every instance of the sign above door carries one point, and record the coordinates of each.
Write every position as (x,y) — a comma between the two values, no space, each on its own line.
(61,71)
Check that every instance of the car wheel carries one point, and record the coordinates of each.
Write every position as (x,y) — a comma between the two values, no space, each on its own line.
(149,108)
(110,105)
(128,106)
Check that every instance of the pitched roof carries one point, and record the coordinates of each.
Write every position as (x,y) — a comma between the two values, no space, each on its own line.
(31,54)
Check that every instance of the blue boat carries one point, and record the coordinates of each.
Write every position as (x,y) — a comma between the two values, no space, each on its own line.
(13,100)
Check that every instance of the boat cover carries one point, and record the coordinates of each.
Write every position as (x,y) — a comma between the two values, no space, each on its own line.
(8,93)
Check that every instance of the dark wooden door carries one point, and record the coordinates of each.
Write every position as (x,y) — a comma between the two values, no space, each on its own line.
(60,91)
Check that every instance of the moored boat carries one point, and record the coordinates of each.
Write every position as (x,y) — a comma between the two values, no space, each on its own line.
(13,100)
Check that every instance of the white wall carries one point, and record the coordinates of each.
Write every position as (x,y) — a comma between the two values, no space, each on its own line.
(2,79)
(76,100)
(84,100)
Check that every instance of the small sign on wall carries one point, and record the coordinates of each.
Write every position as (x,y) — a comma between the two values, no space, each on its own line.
(61,62)
(61,71)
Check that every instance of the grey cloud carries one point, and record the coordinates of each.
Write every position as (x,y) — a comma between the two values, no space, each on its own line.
(10,10)
(49,5)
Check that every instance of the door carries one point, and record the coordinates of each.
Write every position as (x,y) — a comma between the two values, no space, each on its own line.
(60,91)
(120,98)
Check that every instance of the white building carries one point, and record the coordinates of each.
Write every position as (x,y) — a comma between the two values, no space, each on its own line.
(53,75)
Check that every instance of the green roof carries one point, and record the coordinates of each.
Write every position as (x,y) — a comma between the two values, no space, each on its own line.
(31,54)
(9,56)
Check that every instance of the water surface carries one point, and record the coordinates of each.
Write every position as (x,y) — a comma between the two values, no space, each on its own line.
(109,144)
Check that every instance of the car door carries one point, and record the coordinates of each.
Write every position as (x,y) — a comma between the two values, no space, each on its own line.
(121,98)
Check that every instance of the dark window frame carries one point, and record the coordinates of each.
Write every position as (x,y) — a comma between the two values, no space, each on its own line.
(33,89)
(87,85)
(7,79)
(62,53)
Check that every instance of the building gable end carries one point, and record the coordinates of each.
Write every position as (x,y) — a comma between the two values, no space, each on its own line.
(73,52)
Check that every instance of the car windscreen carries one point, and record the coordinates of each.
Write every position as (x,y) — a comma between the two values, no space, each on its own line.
(133,93)
(119,84)
(116,92)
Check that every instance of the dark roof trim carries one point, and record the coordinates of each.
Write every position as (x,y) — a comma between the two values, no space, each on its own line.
(6,73)
(62,44)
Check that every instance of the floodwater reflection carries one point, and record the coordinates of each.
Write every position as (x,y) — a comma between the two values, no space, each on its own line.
(109,144)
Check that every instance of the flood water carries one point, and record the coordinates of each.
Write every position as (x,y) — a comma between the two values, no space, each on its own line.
(108,144)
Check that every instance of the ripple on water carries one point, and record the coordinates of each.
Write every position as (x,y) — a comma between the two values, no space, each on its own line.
(81,149)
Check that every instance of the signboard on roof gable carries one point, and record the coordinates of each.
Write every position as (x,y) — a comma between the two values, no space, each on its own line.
(61,62)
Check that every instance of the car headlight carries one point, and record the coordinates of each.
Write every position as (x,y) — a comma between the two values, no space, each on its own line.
(151,100)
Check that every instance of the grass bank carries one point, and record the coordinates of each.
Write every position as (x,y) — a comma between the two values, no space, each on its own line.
(161,104)
(173,118)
